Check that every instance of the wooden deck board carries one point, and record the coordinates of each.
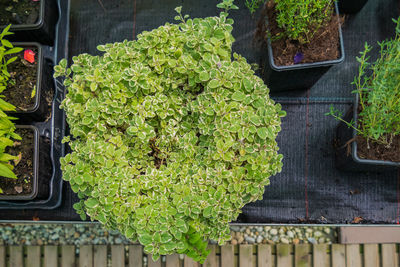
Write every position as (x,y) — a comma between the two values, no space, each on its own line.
(50,256)
(135,256)
(353,256)
(371,255)
(227,256)
(68,256)
(100,256)
(338,255)
(389,258)
(117,256)
(16,256)
(33,255)
(86,256)
(284,258)
(264,256)
(246,256)
(320,256)
(172,261)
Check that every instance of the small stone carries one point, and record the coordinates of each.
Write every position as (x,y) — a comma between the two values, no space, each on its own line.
(77,235)
(259,229)
(250,240)
(118,240)
(259,239)
(309,230)
(284,240)
(240,239)
(281,231)
(39,242)
(317,234)
(290,234)
(234,241)
(235,228)
(296,241)
(264,241)
(248,231)
(267,228)
(312,240)
(327,230)
(270,242)
(275,238)
(273,231)
(257,233)
(321,240)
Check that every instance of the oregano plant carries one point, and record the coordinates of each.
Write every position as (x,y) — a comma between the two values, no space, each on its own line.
(170,135)
(300,20)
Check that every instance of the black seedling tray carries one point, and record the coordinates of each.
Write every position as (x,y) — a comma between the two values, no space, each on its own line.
(52,130)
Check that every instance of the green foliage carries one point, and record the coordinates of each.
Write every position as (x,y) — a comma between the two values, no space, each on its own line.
(253,5)
(171,137)
(7,128)
(301,19)
(378,87)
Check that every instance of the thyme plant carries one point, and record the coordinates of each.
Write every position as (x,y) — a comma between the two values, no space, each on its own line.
(300,20)
(170,136)
(7,127)
(378,87)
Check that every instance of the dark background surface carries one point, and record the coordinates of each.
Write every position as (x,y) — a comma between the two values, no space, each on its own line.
(309,189)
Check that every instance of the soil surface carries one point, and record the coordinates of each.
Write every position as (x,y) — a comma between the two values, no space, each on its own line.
(21,88)
(19,12)
(24,169)
(324,46)
(378,151)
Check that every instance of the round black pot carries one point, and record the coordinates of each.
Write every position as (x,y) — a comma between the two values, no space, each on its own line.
(351,6)
(346,158)
(298,76)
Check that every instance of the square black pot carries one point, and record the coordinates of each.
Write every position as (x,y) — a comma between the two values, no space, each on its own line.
(298,76)
(44,84)
(43,31)
(351,161)
(35,161)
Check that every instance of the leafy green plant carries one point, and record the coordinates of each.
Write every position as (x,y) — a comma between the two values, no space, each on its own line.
(253,5)
(170,136)
(300,20)
(378,87)
(7,127)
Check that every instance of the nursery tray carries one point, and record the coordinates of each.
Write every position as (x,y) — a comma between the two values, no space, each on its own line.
(309,189)
(52,129)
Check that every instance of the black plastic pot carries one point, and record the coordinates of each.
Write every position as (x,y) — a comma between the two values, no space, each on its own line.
(347,159)
(43,30)
(44,85)
(35,161)
(351,6)
(298,76)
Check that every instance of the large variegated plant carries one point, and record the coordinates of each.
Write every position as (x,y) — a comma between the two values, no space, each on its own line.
(171,137)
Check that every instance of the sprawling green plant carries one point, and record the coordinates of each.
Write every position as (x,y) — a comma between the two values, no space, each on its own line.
(253,5)
(378,87)
(7,127)
(170,136)
(301,19)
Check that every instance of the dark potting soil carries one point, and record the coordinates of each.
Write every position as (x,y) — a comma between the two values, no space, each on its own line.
(24,169)
(19,12)
(323,47)
(21,88)
(374,151)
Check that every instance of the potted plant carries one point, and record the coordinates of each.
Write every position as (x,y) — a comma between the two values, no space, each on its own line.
(351,6)
(170,136)
(371,140)
(304,40)
(18,152)
(33,21)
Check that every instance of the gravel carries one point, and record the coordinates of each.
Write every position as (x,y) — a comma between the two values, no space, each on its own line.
(82,234)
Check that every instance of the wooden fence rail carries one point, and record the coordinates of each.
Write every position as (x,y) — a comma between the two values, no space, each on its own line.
(281,255)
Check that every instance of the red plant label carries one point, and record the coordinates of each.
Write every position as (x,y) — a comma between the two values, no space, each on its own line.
(29,56)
